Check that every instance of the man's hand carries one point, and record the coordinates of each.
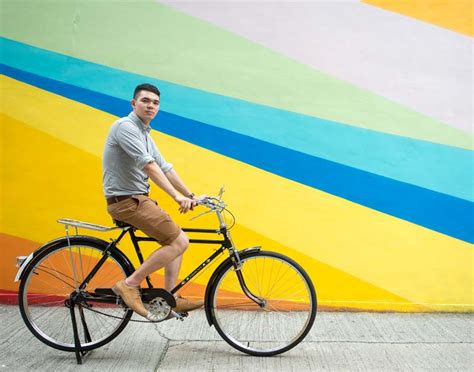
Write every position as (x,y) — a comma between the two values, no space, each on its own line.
(185,204)
(200,197)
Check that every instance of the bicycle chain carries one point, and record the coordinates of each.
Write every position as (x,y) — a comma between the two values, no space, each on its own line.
(131,320)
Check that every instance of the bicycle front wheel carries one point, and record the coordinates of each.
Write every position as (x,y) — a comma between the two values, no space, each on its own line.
(49,281)
(282,311)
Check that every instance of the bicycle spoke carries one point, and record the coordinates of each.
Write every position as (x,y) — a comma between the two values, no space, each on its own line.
(57,274)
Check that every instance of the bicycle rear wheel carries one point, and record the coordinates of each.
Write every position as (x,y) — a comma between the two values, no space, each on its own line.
(50,279)
(283,319)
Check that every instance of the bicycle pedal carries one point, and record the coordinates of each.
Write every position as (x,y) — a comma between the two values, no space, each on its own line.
(178,316)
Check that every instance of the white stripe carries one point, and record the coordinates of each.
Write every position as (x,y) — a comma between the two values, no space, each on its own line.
(419,65)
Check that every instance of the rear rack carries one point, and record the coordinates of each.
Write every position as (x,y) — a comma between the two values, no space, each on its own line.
(85,225)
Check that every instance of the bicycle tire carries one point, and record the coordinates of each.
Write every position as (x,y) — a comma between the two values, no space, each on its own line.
(53,275)
(285,319)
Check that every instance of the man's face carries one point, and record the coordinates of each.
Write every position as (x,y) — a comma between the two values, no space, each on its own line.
(146,105)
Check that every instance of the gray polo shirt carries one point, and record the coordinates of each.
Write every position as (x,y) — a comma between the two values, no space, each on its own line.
(128,149)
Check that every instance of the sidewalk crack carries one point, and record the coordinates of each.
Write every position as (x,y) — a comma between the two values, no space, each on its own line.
(163,354)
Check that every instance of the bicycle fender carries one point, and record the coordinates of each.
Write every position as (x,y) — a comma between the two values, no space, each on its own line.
(207,301)
(72,239)
(25,263)
(35,253)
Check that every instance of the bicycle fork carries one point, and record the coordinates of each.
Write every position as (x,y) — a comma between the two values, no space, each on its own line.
(237,261)
(259,301)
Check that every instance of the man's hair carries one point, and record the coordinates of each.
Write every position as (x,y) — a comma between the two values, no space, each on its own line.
(147,87)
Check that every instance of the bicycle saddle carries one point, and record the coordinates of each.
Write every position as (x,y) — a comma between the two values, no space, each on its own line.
(121,224)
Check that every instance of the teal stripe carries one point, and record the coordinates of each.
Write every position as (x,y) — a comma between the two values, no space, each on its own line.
(436,167)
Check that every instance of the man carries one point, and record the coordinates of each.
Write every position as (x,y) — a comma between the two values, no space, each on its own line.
(130,159)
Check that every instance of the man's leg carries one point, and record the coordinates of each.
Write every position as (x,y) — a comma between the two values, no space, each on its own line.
(172,273)
(143,213)
(169,256)
(165,256)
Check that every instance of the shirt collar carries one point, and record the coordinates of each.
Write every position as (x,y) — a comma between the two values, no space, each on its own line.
(138,122)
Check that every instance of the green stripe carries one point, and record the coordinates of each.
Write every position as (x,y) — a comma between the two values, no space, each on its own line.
(150,39)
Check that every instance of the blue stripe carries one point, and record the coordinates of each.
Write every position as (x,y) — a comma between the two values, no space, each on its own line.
(443,213)
(441,168)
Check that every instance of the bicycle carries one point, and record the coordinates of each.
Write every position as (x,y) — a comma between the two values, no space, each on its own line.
(66,301)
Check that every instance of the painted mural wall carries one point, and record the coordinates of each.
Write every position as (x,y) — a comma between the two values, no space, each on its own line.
(342,131)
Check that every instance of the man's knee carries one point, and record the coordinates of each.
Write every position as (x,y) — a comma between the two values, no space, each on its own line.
(181,243)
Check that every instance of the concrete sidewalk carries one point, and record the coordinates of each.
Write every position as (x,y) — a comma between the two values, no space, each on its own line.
(337,342)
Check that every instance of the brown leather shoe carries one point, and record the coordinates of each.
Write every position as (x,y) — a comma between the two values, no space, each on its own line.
(131,296)
(184,305)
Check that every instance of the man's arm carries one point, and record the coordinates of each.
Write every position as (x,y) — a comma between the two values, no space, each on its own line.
(177,183)
(161,180)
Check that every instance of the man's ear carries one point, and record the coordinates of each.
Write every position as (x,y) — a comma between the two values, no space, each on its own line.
(133,102)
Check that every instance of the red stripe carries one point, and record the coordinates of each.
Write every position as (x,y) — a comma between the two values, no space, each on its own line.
(8,297)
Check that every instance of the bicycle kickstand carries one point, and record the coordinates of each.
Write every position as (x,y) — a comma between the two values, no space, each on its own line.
(77,343)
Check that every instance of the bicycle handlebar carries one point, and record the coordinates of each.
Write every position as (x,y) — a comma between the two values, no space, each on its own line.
(213,203)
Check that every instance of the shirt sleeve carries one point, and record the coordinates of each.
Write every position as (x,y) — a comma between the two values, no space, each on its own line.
(160,160)
(128,137)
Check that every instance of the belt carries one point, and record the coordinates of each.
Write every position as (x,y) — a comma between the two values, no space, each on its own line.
(116,199)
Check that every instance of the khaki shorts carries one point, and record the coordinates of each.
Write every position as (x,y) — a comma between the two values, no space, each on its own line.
(144,213)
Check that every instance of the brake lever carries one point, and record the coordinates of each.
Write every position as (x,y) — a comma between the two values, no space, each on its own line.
(201,214)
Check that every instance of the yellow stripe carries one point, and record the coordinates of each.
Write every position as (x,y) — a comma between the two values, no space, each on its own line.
(374,250)
(454,15)
(65,196)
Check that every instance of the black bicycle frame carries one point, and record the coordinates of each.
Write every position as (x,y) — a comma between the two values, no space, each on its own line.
(224,243)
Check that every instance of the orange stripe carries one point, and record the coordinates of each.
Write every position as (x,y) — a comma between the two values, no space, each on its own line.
(454,15)
(324,276)
(12,247)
